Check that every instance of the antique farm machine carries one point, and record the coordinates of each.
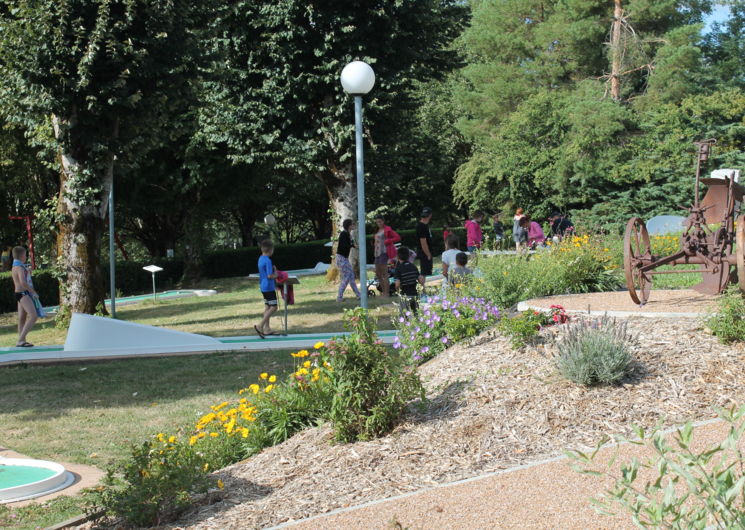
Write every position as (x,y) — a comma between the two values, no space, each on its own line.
(709,239)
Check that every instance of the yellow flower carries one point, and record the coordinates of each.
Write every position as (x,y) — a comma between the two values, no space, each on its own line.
(244,432)
(220,484)
(301,353)
(201,434)
(272,378)
(193,440)
(264,375)
(206,467)
(268,388)
(254,388)
(172,439)
(318,345)
(214,435)
(306,364)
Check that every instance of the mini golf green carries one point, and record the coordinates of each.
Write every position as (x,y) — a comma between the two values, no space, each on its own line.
(12,476)
(26,478)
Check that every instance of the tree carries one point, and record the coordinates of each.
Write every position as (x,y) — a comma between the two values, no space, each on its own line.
(101,73)
(278,99)
(536,92)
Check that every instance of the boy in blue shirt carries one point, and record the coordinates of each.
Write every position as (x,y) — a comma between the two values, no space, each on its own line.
(267,274)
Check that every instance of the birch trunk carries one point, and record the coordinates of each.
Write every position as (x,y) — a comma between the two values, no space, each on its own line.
(342,191)
(616,52)
(80,231)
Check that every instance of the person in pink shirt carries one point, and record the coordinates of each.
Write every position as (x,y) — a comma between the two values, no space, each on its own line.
(535,234)
(474,237)
(385,250)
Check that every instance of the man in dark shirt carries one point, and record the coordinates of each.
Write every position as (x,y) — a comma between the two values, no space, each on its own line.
(424,241)
(407,277)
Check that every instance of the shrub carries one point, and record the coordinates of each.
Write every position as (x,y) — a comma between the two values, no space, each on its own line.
(595,352)
(155,484)
(441,323)
(728,323)
(682,487)
(521,329)
(371,386)
(579,264)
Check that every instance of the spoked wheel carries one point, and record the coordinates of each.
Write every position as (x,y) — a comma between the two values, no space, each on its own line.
(740,252)
(637,253)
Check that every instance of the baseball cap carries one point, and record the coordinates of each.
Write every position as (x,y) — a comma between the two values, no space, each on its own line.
(426,211)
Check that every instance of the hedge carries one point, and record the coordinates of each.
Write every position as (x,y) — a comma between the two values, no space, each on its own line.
(131,279)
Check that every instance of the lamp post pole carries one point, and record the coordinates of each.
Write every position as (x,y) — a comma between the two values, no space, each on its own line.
(112,255)
(357,79)
(362,243)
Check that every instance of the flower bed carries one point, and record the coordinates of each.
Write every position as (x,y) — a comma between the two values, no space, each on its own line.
(442,322)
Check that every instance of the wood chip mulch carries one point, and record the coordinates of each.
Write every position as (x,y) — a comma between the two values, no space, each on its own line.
(490,408)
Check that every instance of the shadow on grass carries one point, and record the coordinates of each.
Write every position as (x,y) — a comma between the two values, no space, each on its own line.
(36,391)
(167,310)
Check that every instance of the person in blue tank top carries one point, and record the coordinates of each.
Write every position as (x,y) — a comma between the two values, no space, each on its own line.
(267,275)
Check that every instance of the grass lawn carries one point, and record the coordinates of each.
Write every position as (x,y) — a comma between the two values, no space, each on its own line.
(90,412)
(234,311)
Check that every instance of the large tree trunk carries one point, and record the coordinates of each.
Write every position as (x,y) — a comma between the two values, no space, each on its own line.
(80,231)
(194,243)
(342,191)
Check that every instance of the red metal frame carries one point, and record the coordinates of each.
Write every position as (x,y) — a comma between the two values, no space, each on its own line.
(30,234)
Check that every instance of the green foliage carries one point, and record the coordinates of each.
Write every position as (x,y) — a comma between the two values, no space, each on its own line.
(524,327)
(372,387)
(45,284)
(595,352)
(683,485)
(728,322)
(534,101)
(155,484)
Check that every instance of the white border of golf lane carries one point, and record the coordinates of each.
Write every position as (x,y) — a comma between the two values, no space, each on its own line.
(525,306)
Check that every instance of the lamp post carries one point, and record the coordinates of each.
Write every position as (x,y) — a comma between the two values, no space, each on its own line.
(357,79)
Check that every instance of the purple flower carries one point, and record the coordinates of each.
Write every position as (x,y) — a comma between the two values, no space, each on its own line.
(417,357)
(427,335)
(444,340)
(425,349)
(401,319)
(408,313)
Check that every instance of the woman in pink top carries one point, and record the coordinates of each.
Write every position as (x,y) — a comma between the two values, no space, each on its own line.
(384,250)
(535,234)
(474,237)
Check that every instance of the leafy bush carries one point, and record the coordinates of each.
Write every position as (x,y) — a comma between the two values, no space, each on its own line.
(156,484)
(579,264)
(688,488)
(441,323)
(45,284)
(595,352)
(371,386)
(728,323)
(522,328)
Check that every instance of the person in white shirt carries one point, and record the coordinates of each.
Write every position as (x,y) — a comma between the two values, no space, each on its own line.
(448,257)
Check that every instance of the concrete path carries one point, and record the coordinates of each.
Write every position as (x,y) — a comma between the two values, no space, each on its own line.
(546,494)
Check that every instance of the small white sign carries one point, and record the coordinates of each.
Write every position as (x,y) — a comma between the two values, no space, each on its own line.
(152,268)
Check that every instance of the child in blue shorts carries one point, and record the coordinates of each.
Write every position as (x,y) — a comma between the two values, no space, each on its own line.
(267,274)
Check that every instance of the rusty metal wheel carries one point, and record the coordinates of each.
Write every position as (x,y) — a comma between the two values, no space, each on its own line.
(740,252)
(637,253)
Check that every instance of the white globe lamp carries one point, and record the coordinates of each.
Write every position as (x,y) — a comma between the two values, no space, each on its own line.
(357,78)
